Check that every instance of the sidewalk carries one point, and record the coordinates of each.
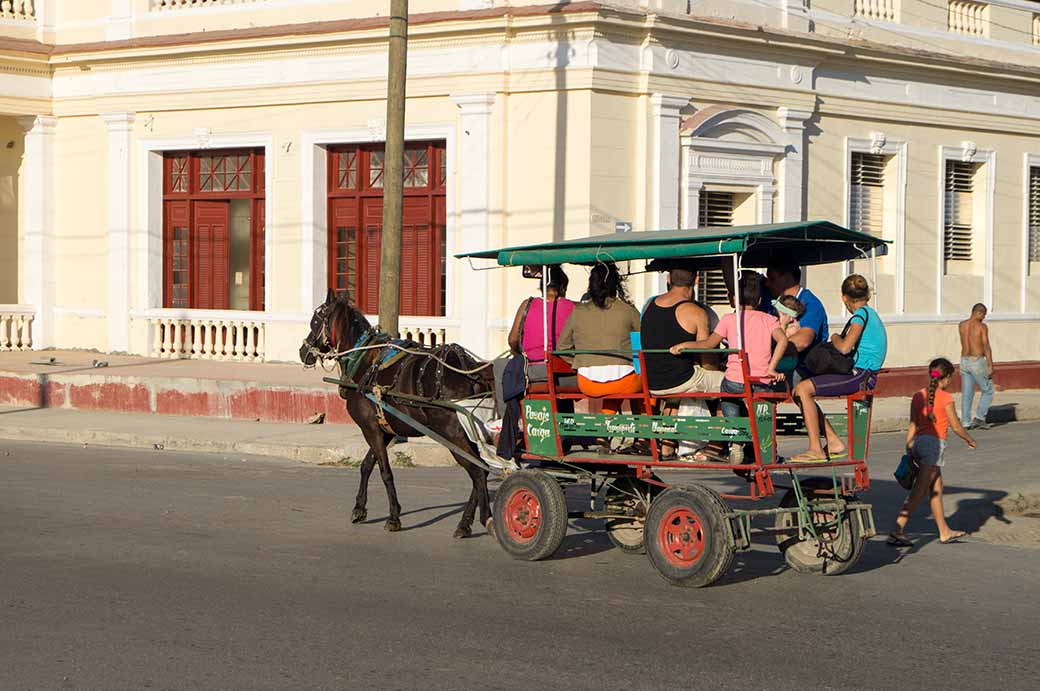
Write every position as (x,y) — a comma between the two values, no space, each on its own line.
(340,444)
(270,392)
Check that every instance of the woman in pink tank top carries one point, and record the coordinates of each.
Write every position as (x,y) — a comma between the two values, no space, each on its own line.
(526,336)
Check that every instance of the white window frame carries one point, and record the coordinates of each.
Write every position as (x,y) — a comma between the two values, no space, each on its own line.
(314,212)
(968,153)
(147,238)
(880,144)
(1029,161)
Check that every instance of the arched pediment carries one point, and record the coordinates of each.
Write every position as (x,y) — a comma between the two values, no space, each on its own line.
(733,125)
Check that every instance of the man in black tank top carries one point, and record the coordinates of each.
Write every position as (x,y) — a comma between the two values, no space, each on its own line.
(669,319)
(672,318)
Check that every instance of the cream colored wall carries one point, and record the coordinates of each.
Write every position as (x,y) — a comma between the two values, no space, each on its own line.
(913,341)
(12,146)
(81,247)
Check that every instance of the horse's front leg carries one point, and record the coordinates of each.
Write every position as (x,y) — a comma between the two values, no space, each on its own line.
(360,513)
(393,523)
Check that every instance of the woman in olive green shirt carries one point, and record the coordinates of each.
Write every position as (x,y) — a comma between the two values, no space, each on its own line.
(604,321)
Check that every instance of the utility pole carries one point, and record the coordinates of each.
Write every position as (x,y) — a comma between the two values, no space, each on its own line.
(393,172)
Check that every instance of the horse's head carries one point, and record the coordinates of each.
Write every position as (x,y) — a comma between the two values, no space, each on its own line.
(335,326)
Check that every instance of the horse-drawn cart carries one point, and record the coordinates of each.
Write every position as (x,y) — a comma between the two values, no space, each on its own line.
(690,531)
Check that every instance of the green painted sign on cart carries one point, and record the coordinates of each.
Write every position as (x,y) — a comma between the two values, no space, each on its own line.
(654,427)
(539,430)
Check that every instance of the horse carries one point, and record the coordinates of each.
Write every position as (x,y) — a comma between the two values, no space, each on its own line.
(338,326)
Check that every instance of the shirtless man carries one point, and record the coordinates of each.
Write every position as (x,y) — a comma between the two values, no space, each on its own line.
(976,367)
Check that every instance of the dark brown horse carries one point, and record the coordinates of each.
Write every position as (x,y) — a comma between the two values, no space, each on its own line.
(338,326)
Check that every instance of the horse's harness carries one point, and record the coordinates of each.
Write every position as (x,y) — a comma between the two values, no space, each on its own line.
(352,360)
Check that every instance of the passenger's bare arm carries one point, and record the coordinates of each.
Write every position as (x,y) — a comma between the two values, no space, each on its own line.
(514,331)
(711,341)
(802,338)
(847,343)
(778,352)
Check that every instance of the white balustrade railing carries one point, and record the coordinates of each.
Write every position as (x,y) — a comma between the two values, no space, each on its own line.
(971,18)
(191,4)
(15,329)
(882,10)
(427,335)
(22,10)
(241,340)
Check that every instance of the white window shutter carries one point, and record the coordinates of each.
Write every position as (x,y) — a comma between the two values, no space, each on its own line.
(867,193)
(715,211)
(1034,214)
(957,222)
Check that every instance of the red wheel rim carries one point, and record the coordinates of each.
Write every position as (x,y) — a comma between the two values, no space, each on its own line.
(523,515)
(681,537)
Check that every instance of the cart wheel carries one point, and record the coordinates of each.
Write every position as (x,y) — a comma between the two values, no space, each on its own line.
(624,493)
(837,554)
(686,536)
(530,515)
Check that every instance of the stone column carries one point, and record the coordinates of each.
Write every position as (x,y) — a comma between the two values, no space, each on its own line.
(473,163)
(664,182)
(38,213)
(120,129)
(792,166)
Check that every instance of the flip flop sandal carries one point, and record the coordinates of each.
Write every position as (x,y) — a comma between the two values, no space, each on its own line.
(956,539)
(899,541)
(806,458)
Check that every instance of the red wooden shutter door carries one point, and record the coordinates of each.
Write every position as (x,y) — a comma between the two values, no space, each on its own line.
(369,289)
(257,255)
(212,255)
(176,217)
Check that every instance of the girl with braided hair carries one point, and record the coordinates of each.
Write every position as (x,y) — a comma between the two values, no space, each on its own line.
(932,414)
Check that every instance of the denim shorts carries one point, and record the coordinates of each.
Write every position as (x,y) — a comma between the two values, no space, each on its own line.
(929,450)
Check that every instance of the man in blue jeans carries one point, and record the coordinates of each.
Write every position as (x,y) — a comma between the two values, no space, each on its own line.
(976,368)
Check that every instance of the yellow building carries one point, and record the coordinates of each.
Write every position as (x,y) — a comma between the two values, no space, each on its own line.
(188,177)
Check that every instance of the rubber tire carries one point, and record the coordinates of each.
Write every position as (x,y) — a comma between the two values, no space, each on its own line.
(627,536)
(553,509)
(800,555)
(717,553)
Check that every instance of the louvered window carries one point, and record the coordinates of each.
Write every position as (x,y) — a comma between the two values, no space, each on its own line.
(356,220)
(1034,214)
(866,193)
(957,222)
(715,211)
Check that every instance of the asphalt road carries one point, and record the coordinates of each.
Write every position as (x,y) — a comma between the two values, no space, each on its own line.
(130,569)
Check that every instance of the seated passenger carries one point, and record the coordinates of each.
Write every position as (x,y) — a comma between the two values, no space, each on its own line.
(865,338)
(788,310)
(759,330)
(668,319)
(604,322)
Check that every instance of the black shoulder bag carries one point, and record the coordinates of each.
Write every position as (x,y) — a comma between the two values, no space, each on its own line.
(825,358)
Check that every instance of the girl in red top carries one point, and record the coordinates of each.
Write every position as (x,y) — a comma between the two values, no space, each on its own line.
(932,413)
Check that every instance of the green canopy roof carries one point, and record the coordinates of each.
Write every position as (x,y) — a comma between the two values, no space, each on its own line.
(808,242)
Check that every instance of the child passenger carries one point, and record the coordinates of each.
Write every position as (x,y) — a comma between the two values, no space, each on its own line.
(789,310)
(763,341)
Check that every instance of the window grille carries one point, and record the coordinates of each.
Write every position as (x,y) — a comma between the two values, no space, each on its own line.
(1034,214)
(957,222)
(715,211)
(866,193)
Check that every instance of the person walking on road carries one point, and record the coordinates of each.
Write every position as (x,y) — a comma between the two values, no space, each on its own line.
(976,368)
(932,413)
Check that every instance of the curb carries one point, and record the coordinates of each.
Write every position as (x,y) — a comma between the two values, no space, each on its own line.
(424,453)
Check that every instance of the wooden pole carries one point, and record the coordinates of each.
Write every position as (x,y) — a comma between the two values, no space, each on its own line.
(393,172)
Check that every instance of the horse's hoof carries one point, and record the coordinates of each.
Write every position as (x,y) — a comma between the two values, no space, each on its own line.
(359,516)
(461,532)
(392,526)
(490,526)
